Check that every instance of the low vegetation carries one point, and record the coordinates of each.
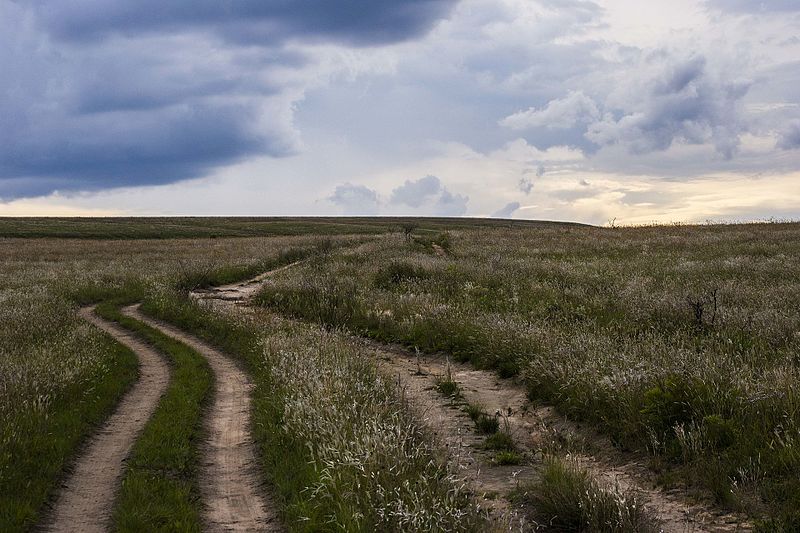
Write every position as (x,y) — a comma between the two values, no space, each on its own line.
(340,448)
(59,376)
(566,498)
(678,342)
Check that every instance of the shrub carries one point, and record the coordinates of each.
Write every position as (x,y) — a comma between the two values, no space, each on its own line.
(398,272)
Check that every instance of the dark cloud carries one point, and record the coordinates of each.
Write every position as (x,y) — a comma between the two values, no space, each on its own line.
(451,205)
(357,22)
(99,94)
(685,103)
(790,136)
(525,184)
(506,211)
(355,199)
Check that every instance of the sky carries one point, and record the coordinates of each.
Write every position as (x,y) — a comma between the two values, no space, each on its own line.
(577,110)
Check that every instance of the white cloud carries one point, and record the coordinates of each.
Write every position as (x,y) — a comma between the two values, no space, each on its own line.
(573,109)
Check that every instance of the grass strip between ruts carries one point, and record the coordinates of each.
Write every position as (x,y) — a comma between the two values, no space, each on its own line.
(160,489)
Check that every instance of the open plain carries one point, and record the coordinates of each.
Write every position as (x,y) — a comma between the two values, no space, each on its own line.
(398,375)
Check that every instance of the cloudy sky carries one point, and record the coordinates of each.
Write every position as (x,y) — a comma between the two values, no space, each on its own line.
(584,110)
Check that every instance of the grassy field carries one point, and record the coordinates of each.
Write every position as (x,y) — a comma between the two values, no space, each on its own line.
(59,378)
(217,227)
(680,343)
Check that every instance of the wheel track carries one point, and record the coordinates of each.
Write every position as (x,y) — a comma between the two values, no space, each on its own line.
(529,425)
(86,500)
(229,474)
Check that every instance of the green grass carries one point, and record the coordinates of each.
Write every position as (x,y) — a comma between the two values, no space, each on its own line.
(59,377)
(33,462)
(160,489)
(603,324)
(312,494)
(568,499)
(220,227)
(500,440)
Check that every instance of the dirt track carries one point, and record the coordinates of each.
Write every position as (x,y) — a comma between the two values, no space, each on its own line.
(229,483)
(87,497)
(530,426)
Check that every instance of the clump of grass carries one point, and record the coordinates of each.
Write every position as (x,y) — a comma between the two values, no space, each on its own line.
(487,424)
(474,411)
(506,457)
(567,498)
(446,385)
(397,272)
(500,440)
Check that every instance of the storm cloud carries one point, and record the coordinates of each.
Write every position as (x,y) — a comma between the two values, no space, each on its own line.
(255,21)
(425,107)
(107,94)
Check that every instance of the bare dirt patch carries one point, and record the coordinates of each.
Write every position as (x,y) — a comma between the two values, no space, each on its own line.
(229,481)
(86,500)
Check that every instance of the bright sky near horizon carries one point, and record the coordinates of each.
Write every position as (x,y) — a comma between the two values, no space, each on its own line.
(580,110)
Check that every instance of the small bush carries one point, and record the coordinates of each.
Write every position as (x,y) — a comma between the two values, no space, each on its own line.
(448,388)
(474,411)
(398,272)
(506,457)
(720,432)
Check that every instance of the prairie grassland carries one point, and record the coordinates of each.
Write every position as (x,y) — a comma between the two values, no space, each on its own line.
(59,377)
(341,450)
(194,227)
(683,342)
(339,446)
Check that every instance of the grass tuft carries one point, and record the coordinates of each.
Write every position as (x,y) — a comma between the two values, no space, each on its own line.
(567,498)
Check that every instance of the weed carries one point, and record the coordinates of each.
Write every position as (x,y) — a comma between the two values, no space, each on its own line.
(567,498)
(500,440)
(506,457)
(487,424)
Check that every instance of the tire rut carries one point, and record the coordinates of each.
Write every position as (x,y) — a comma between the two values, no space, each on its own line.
(531,427)
(233,497)
(86,499)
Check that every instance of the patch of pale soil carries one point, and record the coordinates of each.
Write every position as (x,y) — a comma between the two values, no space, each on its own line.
(533,428)
(239,291)
(229,481)
(86,499)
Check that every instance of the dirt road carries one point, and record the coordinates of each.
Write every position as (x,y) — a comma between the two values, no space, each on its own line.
(233,499)
(530,426)
(87,497)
